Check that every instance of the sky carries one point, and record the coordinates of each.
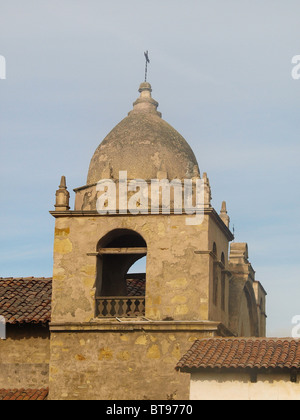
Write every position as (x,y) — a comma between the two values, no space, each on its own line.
(222,74)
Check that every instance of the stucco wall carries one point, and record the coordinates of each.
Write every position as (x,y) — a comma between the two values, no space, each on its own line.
(237,386)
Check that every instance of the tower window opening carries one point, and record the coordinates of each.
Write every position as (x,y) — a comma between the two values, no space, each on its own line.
(120,289)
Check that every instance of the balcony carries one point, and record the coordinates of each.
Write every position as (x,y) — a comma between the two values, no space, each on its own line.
(120,307)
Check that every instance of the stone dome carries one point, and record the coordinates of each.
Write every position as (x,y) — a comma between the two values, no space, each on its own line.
(144,145)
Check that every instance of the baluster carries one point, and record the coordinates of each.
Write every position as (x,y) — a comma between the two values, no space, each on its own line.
(128,307)
(109,307)
(122,307)
(133,307)
(114,308)
(118,307)
(137,311)
(101,307)
(143,309)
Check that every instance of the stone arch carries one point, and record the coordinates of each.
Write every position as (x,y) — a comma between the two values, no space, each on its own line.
(248,319)
(117,251)
(215,250)
(223,258)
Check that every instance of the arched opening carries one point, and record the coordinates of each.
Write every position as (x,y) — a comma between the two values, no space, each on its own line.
(215,250)
(223,283)
(215,276)
(252,312)
(139,266)
(215,289)
(248,317)
(223,292)
(118,252)
(223,258)
(136,278)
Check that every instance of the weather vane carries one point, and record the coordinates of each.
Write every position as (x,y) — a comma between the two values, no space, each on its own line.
(147,61)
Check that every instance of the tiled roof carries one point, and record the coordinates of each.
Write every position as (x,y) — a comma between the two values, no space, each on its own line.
(25,300)
(28,300)
(136,284)
(242,353)
(23,394)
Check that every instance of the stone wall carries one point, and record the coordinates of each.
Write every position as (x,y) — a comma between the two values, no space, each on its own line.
(125,361)
(24,357)
(177,284)
(104,359)
(178,266)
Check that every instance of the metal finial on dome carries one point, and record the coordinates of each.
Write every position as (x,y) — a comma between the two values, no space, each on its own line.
(146,54)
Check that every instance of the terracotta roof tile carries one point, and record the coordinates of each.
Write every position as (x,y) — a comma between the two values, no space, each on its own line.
(23,394)
(28,300)
(25,300)
(242,353)
(136,284)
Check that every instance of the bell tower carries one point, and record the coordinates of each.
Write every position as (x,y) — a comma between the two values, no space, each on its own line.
(109,324)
